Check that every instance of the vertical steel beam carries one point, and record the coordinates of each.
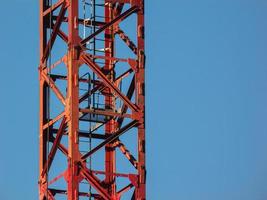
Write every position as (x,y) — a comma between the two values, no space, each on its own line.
(72,106)
(110,162)
(140,97)
(43,102)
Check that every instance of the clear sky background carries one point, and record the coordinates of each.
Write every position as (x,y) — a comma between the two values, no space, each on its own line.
(206,99)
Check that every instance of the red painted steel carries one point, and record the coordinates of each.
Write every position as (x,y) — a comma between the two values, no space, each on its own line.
(87,148)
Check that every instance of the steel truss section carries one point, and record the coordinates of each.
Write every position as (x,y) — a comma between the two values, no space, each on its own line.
(92,100)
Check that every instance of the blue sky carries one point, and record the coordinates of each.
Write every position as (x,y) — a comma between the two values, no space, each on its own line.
(206,99)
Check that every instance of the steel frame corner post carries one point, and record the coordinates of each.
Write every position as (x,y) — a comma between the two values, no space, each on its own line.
(115,119)
(140,96)
(43,103)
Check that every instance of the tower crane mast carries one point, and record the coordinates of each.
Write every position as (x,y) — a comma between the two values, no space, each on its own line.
(92,100)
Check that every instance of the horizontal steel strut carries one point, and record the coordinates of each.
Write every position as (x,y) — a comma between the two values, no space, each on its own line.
(92,100)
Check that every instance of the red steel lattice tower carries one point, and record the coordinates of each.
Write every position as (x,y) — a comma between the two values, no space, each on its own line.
(92,100)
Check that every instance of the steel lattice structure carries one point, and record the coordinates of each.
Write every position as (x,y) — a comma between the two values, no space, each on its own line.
(92,100)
